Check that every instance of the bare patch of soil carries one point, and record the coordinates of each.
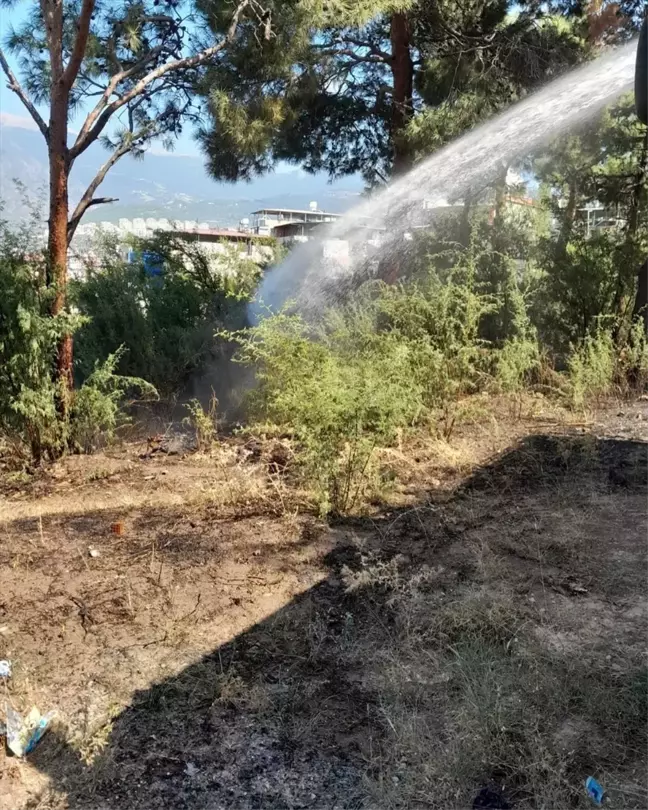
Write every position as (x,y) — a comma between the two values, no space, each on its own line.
(484,627)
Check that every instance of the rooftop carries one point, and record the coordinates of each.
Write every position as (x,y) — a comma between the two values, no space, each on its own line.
(215,233)
(294,211)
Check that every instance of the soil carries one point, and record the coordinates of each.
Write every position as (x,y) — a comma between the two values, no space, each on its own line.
(207,642)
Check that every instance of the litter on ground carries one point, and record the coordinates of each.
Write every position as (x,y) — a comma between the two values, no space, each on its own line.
(594,790)
(23,734)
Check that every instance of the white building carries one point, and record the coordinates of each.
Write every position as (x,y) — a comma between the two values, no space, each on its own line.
(265,220)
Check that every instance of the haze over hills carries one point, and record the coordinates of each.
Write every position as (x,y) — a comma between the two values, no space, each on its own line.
(175,186)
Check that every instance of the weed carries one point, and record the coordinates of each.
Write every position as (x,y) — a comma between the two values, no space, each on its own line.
(204,422)
(100,474)
(591,369)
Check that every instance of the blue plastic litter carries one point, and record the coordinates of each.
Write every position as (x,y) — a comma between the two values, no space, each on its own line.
(594,790)
(153,263)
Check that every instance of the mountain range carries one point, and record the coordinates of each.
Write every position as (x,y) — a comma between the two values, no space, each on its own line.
(170,185)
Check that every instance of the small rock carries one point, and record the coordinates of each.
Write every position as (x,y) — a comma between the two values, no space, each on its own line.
(93,552)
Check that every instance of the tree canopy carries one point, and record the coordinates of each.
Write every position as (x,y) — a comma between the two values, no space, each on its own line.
(368,89)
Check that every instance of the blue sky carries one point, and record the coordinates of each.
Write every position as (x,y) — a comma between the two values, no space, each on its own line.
(12,112)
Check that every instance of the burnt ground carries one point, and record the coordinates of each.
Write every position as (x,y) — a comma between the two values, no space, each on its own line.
(484,626)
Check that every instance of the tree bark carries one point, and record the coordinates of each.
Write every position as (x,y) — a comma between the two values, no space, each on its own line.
(402,67)
(57,247)
(570,214)
(641,298)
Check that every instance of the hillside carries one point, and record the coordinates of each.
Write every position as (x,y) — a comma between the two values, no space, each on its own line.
(162,185)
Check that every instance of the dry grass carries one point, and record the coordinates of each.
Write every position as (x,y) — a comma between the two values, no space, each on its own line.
(484,625)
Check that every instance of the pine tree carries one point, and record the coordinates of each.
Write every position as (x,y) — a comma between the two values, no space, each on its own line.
(369,87)
(133,66)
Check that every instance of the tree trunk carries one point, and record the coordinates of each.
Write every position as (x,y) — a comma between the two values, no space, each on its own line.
(402,68)
(637,186)
(570,218)
(641,298)
(57,247)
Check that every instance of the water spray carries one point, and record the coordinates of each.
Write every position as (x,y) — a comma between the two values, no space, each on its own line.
(374,231)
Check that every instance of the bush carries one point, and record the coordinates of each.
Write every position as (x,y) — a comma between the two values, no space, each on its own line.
(591,368)
(598,367)
(388,359)
(165,323)
(97,406)
(587,281)
(514,364)
(203,421)
(519,356)
(28,343)
(632,360)
(336,406)
(29,336)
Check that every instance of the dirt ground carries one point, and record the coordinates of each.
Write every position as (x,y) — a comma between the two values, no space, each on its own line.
(483,626)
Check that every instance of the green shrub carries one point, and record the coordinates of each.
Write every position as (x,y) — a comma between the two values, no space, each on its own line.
(587,281)
(203,421)
(514,363)
(591,368)
(337,406)
(440,323)
(97,407)
(28,345)
(389,358)
(519,357)
(166,323)
(632,360)
(29,336)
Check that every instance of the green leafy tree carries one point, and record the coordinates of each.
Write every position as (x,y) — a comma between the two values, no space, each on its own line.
(591,267)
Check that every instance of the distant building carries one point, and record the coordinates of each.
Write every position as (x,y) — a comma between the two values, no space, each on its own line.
(265,220)
(294,232)
(598,217)
(219,240)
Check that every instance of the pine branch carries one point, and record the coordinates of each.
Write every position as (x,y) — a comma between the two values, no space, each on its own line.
(88,197)
(371,47)
(80,44)
(90,133)
(116,79)
(129,144)
(15,86)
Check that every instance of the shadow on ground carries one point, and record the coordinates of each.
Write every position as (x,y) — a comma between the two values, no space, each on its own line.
(357,693)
